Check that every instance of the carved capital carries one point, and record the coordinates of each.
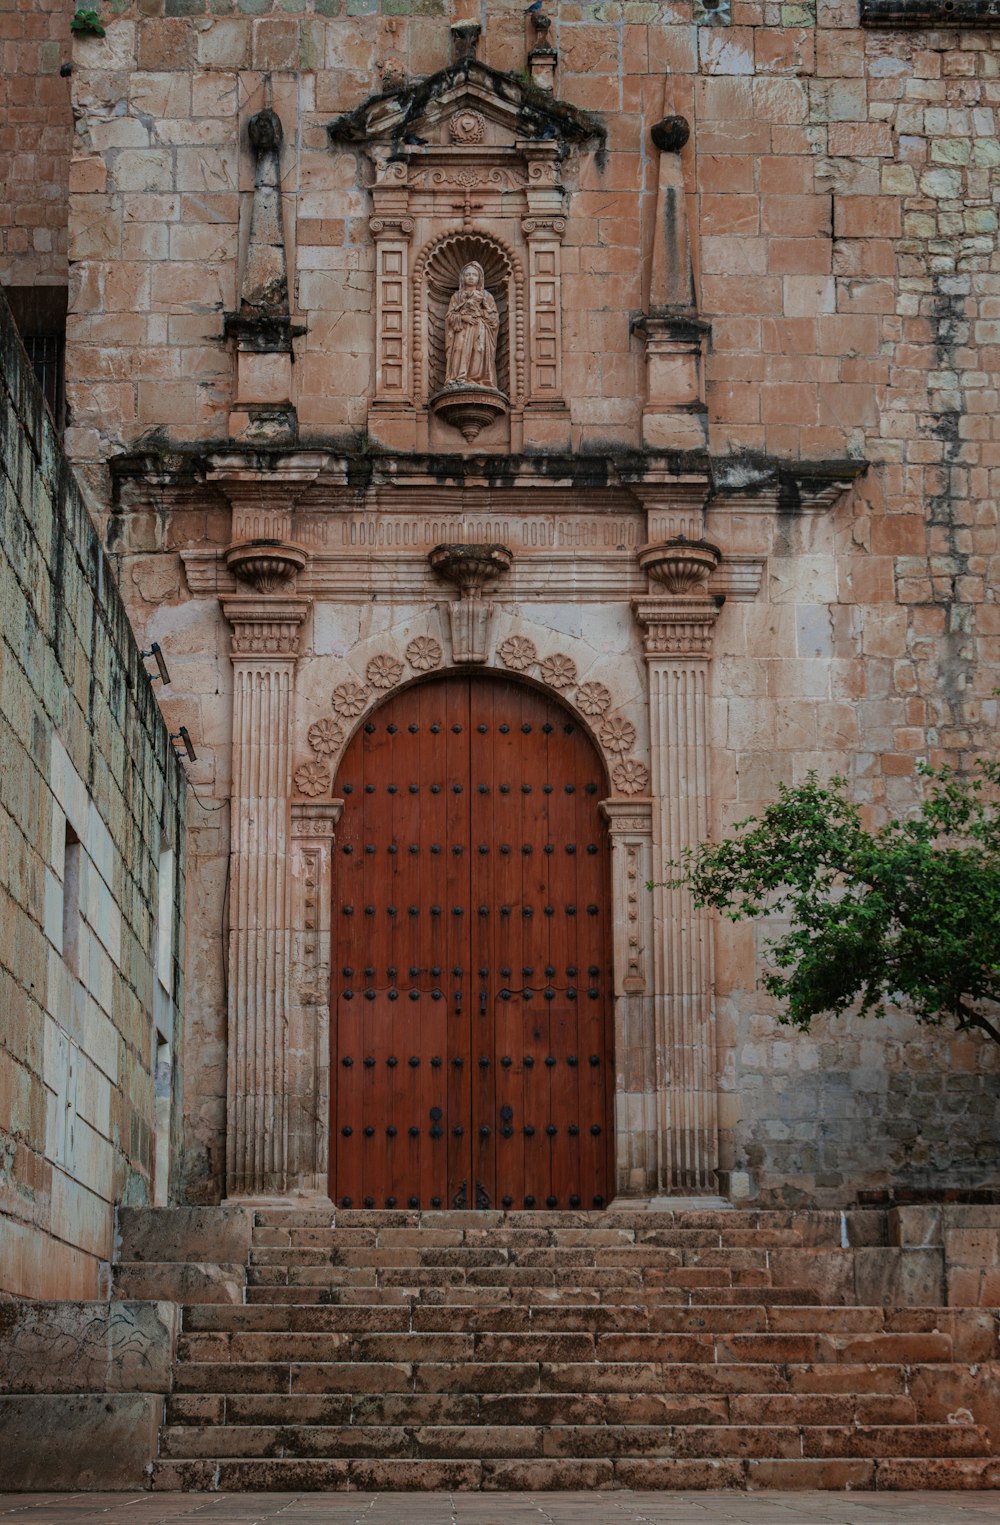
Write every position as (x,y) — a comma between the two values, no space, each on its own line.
(316,819)
(677,627)
(265,627)
(385,226)
(543,227)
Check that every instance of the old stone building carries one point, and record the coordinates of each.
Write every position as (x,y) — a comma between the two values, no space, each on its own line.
(734,436)
(530,437)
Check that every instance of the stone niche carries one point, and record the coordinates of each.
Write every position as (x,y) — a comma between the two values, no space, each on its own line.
(467,171)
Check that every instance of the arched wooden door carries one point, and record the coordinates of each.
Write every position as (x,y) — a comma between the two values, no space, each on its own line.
(471,974)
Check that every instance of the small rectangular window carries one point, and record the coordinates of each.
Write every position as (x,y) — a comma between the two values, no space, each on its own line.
(165,919)
(71,901)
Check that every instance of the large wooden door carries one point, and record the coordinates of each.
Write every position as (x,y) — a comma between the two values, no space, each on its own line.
(471,978)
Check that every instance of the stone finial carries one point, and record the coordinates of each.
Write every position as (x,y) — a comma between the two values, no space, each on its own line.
(264,288)
(465,37)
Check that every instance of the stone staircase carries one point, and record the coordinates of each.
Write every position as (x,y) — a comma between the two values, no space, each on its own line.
(633,1349)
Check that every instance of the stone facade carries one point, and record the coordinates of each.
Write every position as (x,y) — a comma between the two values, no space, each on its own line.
(770,325)
(91,814)
(35,141)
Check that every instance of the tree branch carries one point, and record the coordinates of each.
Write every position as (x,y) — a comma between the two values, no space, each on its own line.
(969,1017)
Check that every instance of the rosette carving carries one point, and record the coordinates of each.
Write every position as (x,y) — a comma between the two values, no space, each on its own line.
(313,778)
(384,671)
(325,736)
(424,653)
(617,735)
(349,699)
(518,653)
(593,698)
(558,671)
(630,777)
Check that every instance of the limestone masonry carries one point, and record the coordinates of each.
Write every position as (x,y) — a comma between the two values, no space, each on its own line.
(639,358)
(91,811)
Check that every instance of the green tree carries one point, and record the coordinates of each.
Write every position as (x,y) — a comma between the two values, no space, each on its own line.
(904,915)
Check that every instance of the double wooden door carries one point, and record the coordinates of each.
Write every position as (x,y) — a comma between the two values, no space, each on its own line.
(471,978)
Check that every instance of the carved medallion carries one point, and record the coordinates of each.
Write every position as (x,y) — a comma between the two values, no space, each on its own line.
(517,653)
(467,126)
(424,653)
(617,735)
(558,671)
(312,778)
(630,777)
(593,698)
(325,735)
(349,699)
(384,671)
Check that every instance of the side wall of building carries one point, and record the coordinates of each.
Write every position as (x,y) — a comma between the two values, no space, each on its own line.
(91,923)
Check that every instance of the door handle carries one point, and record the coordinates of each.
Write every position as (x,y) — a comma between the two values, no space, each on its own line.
(482,1003)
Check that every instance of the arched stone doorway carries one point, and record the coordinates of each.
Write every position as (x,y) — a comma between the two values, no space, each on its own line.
(471,979)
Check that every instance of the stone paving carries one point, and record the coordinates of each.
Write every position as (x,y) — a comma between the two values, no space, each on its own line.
(618,1508)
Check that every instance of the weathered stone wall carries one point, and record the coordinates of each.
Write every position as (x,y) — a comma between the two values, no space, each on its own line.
(35,138)
(89,793)
(841,190)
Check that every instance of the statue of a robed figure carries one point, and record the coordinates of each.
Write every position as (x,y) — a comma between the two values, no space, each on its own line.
(471,329)
(470,397)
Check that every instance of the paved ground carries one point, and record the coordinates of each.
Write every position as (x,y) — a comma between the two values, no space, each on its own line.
(619,1508)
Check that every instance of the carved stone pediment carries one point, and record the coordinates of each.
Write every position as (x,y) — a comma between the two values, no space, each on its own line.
(467,171)
(462,106)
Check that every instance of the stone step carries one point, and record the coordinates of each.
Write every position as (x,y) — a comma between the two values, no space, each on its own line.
(376,1274)
(600,1441)
(510,1239)
(367,1375)
(554,1474)
(972,1330)
(286,1349)
(491,1409)
(568,1296)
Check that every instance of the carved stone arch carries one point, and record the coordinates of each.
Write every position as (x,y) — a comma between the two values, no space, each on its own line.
(435,279)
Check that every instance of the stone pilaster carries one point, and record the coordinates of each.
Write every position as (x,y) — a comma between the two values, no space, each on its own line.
(678,622)
(313,826)
(265,649)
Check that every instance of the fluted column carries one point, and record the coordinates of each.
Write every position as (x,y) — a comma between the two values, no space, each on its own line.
(264,653)
(678,619)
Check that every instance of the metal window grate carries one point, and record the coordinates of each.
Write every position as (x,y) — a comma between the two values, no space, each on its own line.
(47,355)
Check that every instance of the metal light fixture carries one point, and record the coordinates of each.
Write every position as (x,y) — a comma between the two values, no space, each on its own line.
(161,663)
(183,735)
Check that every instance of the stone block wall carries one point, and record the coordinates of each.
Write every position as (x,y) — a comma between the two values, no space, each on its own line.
(842,188)
(35,139)
(91,795)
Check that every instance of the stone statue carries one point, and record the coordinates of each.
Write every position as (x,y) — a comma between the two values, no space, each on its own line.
(471,332)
